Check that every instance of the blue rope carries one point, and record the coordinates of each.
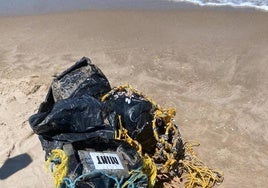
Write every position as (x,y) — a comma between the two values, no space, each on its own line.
(71,184)
(135,175)
(130,182)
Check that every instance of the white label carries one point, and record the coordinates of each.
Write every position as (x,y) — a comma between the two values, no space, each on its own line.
(106,160)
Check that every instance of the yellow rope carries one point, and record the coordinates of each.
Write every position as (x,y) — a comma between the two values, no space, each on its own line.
(57,162)
(196,173)
(149,168)
(165,115)
(123,135)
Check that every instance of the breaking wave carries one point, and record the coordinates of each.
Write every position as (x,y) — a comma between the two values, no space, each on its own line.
(257,4)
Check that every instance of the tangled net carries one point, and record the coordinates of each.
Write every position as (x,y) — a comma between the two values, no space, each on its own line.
(167,162)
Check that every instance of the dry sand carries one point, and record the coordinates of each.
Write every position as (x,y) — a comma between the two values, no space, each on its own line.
(210,65)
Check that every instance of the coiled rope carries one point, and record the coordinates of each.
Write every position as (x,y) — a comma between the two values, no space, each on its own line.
(57,163)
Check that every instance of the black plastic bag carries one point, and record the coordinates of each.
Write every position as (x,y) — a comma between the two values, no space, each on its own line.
(136,115)
(72,110)
(73,115)
(83,78)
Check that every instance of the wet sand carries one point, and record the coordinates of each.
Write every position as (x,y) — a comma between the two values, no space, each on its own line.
(210,65)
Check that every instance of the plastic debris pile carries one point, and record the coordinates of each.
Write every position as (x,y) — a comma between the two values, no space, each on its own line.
(96,136)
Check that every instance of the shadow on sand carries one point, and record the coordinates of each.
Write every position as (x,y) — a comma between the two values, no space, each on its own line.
(14,164)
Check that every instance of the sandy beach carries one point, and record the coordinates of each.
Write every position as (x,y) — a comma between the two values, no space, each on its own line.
(211,65)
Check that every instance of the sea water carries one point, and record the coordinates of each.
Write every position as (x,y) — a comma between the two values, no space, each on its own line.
(257,4)
(13,7)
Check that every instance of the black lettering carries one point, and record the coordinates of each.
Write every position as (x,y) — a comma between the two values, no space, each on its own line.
(115,160)
(112,160)
(108,158)
(104,160)
(99,162)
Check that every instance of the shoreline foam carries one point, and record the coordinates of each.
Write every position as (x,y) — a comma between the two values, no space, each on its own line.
(241,5)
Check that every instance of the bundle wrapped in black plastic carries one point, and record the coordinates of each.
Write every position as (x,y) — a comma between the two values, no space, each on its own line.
(74,124)
(111,137)
(151,128)
(136,114)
